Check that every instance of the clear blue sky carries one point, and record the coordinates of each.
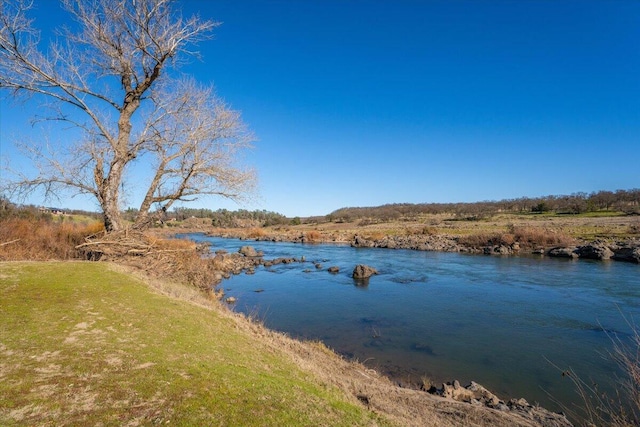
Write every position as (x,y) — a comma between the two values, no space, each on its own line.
(363,103)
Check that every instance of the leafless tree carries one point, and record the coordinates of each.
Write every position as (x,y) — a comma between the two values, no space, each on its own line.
(111,77)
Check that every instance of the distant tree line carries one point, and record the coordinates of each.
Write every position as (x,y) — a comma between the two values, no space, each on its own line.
(227,218)
(625,201)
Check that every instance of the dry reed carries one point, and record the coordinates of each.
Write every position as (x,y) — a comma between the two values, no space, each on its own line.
(42,238)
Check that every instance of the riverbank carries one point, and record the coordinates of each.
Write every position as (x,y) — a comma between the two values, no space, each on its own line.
(87,342)
(586,237)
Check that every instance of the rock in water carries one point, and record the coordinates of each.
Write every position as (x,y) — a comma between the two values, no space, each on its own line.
(249,251)
(361,272)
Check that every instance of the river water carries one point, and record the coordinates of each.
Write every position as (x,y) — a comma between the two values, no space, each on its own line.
(501,321)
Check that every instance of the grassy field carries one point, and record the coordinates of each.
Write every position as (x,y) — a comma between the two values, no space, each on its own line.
(570,229)
(83,344)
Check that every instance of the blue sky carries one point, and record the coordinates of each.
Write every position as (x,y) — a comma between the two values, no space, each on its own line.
(363,103)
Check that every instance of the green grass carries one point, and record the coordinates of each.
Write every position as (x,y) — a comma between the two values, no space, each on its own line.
(81,344)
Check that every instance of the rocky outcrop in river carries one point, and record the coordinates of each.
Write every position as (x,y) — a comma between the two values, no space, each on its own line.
(623,251)
(628,251)
(363,272)
(416,242)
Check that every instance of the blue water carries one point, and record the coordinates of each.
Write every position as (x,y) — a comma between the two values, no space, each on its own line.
(500,321)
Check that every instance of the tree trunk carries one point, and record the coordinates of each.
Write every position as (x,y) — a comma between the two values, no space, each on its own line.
(110,198)
(142,220)
(111,215)
(110,187)
(111,222)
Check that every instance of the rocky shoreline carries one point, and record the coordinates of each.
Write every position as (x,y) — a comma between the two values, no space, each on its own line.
(477,395)
(626,251)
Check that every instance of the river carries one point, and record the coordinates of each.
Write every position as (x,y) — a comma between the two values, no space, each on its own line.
(501,321)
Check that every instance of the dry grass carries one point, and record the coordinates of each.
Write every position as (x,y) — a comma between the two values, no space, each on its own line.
(429,231)
(628,357)
(42,238)
(255,232)
(313,236)
(375,234)
(537,236)
(38,238)
(528,236)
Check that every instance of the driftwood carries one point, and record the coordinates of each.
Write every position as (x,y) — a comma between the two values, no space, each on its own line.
(107,242)
(125,243)
(116,245)
(10,242)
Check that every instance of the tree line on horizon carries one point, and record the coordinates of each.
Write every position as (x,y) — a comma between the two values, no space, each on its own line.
(623,201)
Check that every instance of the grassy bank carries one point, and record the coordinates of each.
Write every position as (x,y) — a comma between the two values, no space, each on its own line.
(96,344)
(82,344)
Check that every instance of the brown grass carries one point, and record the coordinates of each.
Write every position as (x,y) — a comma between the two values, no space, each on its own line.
(42,238)
(535,236)
(429,231)
(376,235)
(35,238)
(256,232)
(525,236)
(628,357)
(313,236)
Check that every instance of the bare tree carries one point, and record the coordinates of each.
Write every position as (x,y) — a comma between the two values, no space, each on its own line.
(109,79)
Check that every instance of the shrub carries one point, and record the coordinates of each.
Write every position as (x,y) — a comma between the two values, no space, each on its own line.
(525,236)
(480,239)
(313,236)
(255,232)
(429,231)
(534,236)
